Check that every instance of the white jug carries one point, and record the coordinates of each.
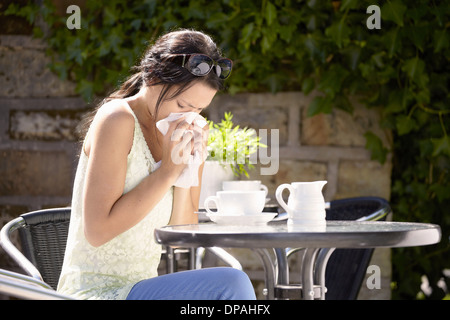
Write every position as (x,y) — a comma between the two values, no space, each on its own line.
(306,205)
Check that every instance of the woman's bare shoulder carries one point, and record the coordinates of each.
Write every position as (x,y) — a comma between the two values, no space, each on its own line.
(117,111)
(114,122)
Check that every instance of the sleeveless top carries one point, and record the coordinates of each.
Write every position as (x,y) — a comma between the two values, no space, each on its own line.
(112,269)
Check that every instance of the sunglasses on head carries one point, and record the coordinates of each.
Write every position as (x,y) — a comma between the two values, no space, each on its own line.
(200,65)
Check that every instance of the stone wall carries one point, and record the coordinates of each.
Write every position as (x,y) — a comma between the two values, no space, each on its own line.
(38,115)
(38,148)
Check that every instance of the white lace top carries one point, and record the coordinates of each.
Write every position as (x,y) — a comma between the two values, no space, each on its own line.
(111,270)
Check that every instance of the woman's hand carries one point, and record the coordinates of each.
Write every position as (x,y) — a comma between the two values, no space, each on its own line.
(178,145)
(201,141)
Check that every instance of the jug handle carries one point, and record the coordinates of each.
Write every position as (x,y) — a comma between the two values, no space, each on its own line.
(279,195)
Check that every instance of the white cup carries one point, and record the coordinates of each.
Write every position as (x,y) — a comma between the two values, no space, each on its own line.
(244,185)
(237,202)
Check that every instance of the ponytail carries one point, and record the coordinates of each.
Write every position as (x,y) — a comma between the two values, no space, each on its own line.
(129,88)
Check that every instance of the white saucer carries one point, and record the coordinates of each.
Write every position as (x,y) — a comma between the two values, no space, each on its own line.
(235,220)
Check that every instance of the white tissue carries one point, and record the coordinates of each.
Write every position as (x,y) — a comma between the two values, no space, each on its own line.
(163,125)
(189,177)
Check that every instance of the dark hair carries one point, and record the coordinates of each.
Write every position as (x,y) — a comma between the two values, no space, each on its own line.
(160,66)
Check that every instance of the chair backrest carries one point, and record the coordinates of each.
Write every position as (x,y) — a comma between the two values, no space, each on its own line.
(43,238)
(346,268)
(359,208)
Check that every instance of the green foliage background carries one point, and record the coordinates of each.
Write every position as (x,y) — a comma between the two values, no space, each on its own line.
(282,45)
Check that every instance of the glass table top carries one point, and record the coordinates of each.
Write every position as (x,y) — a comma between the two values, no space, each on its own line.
(343,234)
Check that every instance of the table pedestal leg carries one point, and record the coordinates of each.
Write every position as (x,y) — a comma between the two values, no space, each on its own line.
(319,273)
(308,273)
(282,265)
(277,273)
(269,271)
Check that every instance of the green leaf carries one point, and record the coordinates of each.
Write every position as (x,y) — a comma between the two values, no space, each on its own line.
(352,55)
(393,11)
(286,32)
(415,68)
(418,35)
(319,105)
(393,42)
(217,19)
(441,191)
(308,85)
(271,13)
(423,96)
(85,89)
(348,4)
(136,23)
(312,23)
(440,40)
(311,43)
(104,49)
(398,101)
(109,16)
(375,146)
(339,32)
(246,35)
(331,82)
(342,102)
(440,12)
(441,146)
(195,10)
(265,44)
(269,37)
(405,124)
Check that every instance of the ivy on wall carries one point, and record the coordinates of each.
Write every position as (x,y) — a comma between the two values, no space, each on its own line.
(280,45)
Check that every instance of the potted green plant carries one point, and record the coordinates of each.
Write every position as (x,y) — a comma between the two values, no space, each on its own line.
(231,145)
(229,154)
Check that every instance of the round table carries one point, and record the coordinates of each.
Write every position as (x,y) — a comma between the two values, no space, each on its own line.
(336,234)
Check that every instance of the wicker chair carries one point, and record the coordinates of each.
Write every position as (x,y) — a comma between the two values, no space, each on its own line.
(43,236)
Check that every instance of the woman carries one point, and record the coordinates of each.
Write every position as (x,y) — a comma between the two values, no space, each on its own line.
(120,196)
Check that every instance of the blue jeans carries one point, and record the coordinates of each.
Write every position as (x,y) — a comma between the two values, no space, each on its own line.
(204,284)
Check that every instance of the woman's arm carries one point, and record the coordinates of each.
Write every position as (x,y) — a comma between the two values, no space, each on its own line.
(107,212)
(185,203)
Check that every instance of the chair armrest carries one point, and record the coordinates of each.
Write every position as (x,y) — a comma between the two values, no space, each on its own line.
(24,287)
(14,253)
